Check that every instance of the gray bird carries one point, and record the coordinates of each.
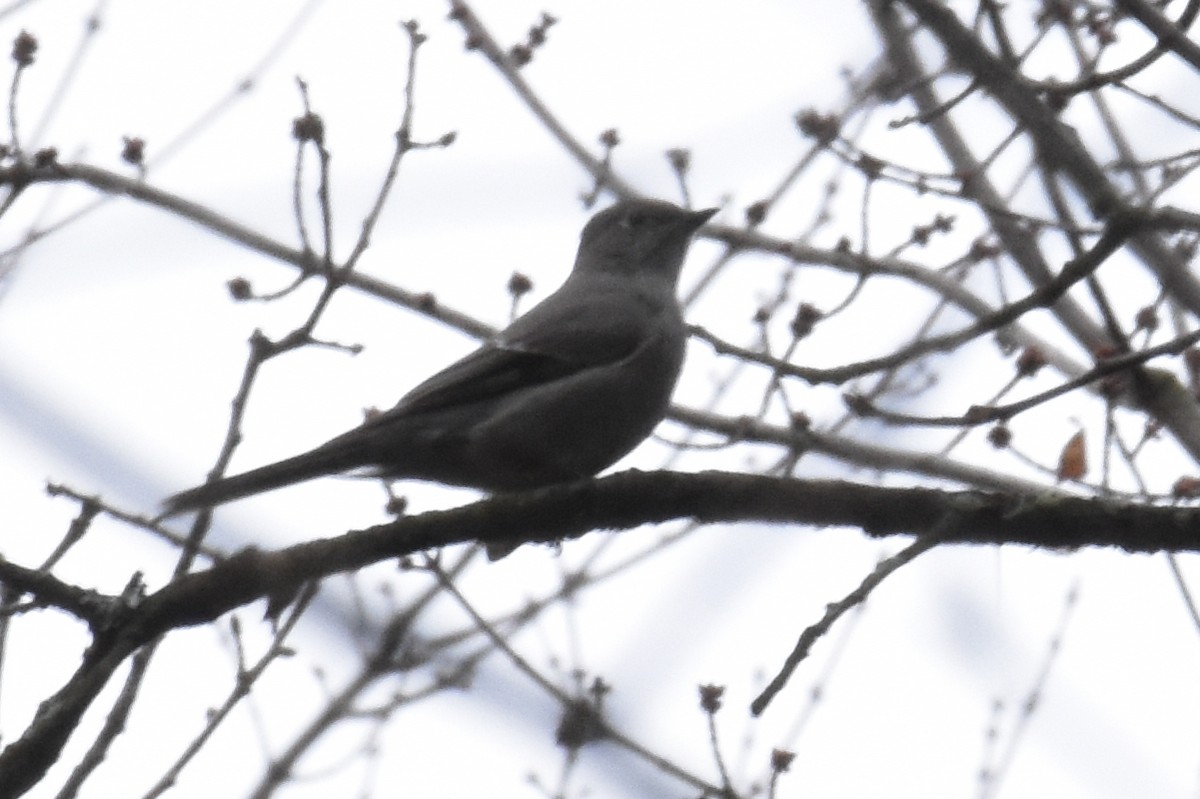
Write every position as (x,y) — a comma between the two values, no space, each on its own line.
(564,392)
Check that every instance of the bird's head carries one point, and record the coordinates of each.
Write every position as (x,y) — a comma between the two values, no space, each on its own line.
(639,237)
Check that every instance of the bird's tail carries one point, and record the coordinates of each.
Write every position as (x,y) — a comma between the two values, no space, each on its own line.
(297,469)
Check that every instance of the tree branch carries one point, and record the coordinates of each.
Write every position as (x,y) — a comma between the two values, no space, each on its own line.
(1051,520)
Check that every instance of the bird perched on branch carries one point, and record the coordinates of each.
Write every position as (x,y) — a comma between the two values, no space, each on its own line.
(562,393)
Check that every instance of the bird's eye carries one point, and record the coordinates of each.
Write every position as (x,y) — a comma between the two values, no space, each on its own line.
(635,219)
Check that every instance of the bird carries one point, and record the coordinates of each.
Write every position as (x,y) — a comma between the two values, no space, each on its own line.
(562,393)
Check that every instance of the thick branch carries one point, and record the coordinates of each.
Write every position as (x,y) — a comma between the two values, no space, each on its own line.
(1052,520)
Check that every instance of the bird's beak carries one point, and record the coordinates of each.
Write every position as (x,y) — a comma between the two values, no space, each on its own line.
(698,218)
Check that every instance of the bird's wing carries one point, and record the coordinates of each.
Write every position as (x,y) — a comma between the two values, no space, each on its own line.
(552,341)
(490,371)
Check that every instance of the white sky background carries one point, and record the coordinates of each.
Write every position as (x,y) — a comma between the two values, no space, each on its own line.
(120,351)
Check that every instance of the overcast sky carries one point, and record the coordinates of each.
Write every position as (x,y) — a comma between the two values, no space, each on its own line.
(120,351)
